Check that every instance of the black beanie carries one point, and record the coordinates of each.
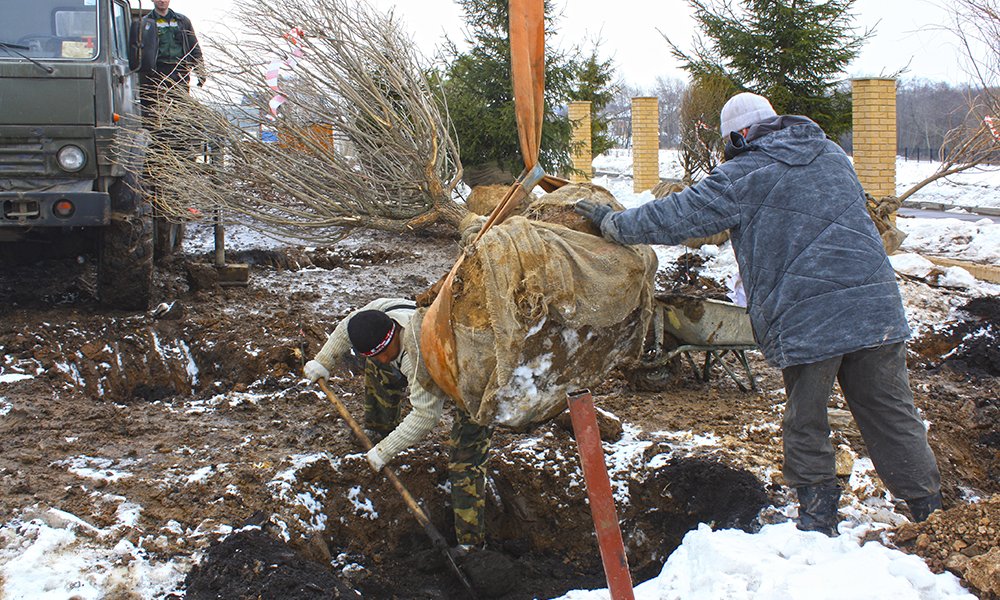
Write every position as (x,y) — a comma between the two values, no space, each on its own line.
(370,331)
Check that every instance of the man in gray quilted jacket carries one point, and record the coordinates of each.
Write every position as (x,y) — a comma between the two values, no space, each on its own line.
(822,296)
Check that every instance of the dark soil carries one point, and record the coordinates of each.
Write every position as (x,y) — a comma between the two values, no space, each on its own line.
(121,386)
(970,346)
(252,564)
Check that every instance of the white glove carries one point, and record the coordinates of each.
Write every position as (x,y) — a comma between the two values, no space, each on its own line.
(375,459)
(314,371)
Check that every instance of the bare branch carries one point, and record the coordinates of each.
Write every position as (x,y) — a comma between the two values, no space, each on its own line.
(364,139)
(976,24)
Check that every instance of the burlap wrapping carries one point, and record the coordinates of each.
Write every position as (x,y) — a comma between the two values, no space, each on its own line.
(541,309)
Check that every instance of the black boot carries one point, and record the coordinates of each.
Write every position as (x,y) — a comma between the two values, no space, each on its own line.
(921,508)
(818,508)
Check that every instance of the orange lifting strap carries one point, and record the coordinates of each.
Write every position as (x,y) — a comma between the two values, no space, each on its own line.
(527,61)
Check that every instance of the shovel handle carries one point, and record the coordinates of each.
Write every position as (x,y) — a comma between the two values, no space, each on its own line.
(415,509)
(411,503)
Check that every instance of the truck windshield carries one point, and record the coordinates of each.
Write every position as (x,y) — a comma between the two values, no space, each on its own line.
(48,29)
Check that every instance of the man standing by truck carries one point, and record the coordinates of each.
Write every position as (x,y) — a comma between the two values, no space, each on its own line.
(164,50)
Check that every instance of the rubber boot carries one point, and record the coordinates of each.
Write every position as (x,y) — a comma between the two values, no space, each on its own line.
(921,508)
(818,508)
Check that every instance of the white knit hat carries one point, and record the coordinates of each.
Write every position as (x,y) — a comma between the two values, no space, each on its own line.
(744,110)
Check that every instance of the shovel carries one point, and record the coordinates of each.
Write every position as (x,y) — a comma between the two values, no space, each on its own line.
(415,509)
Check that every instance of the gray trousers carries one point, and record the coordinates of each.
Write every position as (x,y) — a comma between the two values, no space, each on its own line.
(877,389)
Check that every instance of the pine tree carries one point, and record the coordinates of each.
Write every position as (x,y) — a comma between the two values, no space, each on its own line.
(594,84)
(792,51)
(480,97)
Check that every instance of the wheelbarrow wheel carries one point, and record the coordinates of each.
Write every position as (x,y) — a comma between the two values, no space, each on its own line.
(655,379)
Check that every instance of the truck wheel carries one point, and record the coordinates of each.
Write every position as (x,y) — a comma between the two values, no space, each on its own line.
(167,237)
(125,252)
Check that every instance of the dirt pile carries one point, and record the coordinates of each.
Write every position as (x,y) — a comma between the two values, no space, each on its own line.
(684,277)
(679,496)
(252,564)
(971,345)
(964,540)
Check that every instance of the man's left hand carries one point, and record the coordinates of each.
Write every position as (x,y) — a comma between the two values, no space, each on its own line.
(375,460)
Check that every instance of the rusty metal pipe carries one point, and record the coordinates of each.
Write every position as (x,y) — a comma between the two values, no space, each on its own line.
(602,502)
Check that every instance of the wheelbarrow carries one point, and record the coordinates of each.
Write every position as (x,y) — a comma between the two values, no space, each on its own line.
(685,325)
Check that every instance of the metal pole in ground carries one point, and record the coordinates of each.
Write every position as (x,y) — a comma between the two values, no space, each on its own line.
(602,502)
(220,240)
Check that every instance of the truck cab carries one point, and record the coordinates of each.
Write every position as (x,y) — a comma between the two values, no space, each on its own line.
(71,139)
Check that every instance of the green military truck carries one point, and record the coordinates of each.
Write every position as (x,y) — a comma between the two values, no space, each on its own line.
(72,143)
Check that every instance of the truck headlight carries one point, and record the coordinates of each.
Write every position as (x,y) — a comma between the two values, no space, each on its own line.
(71,158)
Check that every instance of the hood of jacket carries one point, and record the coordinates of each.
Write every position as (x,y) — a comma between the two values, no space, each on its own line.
(791,139)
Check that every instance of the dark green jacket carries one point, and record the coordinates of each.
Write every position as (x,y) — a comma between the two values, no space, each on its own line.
(144,44)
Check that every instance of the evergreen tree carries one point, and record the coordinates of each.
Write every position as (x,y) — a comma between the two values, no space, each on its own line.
(792,51)
(594,84)
(480,96)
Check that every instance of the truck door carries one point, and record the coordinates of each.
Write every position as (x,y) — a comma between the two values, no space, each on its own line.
(126,98)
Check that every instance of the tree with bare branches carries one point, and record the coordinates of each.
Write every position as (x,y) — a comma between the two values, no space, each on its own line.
(702,102)
(975,142)
(363,139)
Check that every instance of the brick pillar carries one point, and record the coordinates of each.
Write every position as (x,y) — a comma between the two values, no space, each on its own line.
(875,135)
(645,144)
(583,158)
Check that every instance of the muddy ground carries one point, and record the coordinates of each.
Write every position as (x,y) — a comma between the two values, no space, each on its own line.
(198,417)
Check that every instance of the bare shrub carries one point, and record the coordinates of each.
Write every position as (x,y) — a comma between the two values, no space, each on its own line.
(973,143)
(363,140)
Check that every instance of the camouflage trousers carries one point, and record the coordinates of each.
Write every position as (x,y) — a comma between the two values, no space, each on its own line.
(385,387)
(470,447)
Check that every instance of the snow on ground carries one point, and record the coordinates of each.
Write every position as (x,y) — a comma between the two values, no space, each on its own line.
(972,188)
(975,187)
(57,555)
(781,563)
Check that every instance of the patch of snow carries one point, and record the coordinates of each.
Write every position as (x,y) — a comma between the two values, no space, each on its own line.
(782,562)
(362,506)
(98,469)
(41,562)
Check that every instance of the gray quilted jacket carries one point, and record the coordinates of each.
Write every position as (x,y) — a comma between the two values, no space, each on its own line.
(818,281)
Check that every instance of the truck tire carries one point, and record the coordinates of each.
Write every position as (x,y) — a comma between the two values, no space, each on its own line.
(167,237)
(125,249)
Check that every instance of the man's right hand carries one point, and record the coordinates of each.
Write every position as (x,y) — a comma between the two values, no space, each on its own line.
(592,211)
(598,215)
(314,371)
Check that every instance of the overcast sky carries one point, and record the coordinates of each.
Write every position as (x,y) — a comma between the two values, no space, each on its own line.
(907,32)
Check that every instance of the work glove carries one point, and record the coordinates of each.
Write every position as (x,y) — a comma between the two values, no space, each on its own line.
(598,214)
(314,371)
(375,459)
(592,211)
